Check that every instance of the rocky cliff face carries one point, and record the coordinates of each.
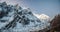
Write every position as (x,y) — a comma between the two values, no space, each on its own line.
(15,18)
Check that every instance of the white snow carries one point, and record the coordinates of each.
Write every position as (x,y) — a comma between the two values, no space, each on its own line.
(43,17)
(32,26)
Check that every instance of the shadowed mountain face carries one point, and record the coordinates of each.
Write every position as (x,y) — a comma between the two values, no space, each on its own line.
(2,8)
(55,24)
(15,17)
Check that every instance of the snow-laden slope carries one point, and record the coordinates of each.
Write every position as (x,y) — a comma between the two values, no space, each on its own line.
(43,17)
(17,19)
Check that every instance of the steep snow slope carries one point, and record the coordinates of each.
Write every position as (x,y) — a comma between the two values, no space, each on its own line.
(19,19)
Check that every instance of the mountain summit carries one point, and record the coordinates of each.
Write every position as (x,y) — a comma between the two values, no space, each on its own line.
(15,18)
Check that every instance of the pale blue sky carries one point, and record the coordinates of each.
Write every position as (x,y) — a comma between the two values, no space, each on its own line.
(49,7)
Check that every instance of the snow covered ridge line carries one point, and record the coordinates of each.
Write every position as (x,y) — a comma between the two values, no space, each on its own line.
(18,18)
(43,17)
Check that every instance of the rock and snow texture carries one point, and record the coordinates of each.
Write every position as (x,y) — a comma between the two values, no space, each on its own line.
(15,18)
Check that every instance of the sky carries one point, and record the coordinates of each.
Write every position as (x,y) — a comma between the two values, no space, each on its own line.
(48,7)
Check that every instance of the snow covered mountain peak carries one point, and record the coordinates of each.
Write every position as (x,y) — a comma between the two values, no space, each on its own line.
(20,19)
(43,17)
